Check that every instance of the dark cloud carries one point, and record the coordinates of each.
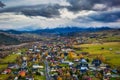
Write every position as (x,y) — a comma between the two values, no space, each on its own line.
(38,10)
(2,4)
(103,17)
(106,16)
(77,5)
(49,11)
(46,11)
(111,3)
(83,19)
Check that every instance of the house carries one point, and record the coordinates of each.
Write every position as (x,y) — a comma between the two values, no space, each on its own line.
(30,49)
(16,78)
(29,78)
(22,73)
(76,60)
(13,66)
(36,66)
(24,64)
(68,62)
(24,58)
(37,50)
(66,50)
(6,71)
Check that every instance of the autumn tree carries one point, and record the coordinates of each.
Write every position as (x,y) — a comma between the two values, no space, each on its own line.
(59,78)
(80,56)
(62,55)
(102,58)
(71,55)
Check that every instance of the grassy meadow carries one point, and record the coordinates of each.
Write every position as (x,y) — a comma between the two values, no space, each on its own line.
(110,50)
(10,58)
(37,77)
(4,63)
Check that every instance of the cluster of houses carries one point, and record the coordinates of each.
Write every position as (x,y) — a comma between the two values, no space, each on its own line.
(57,60)
(65,64)
(26,66)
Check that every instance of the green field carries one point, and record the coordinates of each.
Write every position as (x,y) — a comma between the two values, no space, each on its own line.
(3,66)
(3,77)
(37,77)
(10,58)
(110,50)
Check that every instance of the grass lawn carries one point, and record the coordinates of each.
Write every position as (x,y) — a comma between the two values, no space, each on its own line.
(3,77)
(64,65)
(37,77)
(11,58)
(112,38)
(111,55)
(23,50)
(3,66)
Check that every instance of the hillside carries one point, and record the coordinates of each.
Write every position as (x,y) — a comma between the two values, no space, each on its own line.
(13,39)
(7,39)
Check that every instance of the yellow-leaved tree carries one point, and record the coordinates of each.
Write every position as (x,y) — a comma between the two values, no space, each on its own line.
(102,58)
(59,78)
(38,56)
(62,55)
(70,55)
(80,56)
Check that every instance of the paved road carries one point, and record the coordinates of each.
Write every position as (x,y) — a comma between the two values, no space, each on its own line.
(47,70)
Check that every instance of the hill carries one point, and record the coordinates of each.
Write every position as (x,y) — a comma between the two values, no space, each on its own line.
(7,39)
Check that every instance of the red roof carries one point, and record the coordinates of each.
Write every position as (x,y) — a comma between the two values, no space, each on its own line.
(22,73)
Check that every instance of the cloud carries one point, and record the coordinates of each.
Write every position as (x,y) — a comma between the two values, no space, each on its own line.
(37,10)
(14,3)
(99,7)
(20,15)
(45,8)
(71,15)
(77,5)
(2,4)
(22,22)
(46,11)
(109,16)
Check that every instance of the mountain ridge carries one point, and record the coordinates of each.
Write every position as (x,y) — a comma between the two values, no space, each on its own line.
(58,30)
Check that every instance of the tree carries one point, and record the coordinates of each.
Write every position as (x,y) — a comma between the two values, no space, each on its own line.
(38,56)
(68,74)
(71,55)
(59,78)
(62,55)
(102,58)
(46,54)
(80,56)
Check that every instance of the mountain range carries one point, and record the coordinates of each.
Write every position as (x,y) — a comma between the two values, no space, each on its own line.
(9,37)
(58,30)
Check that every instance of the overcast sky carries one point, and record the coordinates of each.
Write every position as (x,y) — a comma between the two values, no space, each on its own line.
(37,14)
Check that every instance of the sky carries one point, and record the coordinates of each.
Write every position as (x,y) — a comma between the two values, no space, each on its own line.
(41,14)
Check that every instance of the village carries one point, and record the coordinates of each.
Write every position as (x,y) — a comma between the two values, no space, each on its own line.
(56,59)
(59,39)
